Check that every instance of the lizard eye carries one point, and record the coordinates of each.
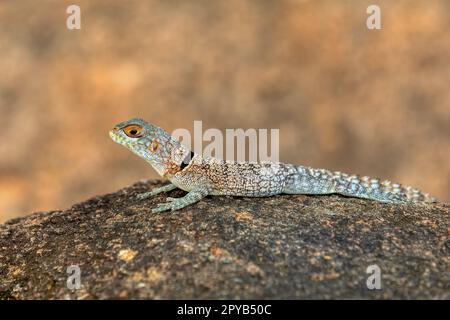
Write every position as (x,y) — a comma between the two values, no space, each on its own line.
(133,131)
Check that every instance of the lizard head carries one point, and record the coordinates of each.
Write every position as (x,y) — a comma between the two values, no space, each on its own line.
(151,143)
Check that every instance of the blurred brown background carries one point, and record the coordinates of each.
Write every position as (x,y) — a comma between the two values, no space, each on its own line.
(344,97)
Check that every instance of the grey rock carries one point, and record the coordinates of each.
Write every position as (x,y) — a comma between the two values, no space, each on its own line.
(284,247)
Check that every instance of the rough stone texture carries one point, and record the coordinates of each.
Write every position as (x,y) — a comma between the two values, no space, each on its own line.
(344,98)
(226,247)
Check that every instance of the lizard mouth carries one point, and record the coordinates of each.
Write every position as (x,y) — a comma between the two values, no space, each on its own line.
(115,136)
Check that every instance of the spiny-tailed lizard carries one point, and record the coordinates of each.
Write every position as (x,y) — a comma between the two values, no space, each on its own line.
(202,176)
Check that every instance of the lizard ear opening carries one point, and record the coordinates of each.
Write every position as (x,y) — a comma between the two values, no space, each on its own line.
(133,131)
(154,146)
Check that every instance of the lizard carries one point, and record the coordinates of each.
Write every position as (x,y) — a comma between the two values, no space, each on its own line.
(202,176)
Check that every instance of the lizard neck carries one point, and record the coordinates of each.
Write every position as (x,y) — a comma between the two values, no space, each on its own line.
(176,159)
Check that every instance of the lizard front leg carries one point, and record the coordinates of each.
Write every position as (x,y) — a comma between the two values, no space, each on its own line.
(196,194)
(155,191)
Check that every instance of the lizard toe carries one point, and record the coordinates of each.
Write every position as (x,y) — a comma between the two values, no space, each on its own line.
(161,207)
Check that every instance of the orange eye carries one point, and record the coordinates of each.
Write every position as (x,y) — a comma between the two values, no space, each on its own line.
(154,146)
(133,131)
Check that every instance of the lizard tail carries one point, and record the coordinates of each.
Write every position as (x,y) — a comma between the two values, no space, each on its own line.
(319,181)
(412,194)
(385,191)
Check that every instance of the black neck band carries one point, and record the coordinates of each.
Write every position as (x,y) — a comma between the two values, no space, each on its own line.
(187,160)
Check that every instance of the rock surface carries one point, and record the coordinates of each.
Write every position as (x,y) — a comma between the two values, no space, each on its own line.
(284,247)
